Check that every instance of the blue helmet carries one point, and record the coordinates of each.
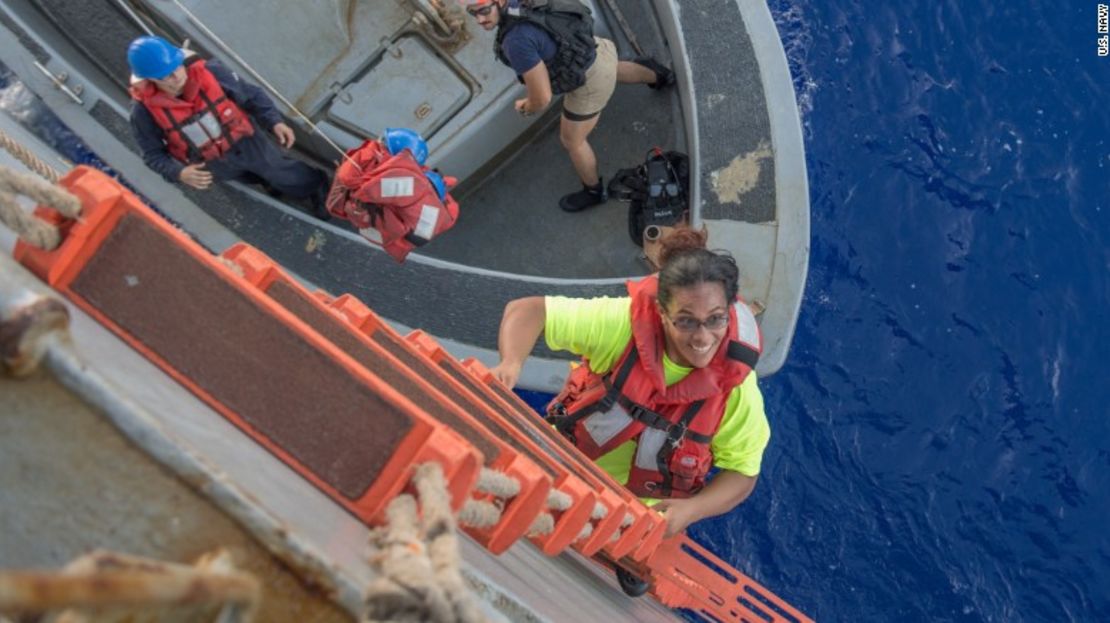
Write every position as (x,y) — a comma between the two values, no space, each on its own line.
(398,139)
(153,57)
(437,180)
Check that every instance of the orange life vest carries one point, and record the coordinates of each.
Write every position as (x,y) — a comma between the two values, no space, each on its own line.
(390,200)
(672,426)
(200,124)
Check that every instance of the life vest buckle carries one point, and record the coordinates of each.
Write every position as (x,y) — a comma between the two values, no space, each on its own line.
(556,413)
(675,439)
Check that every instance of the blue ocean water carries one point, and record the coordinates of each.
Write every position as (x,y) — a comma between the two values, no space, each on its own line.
(941,440)
(941,443)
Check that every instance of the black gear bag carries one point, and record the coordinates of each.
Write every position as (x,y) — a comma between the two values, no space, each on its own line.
(657,191)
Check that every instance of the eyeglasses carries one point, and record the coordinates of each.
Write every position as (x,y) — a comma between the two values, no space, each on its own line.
(481,11)
(689,324)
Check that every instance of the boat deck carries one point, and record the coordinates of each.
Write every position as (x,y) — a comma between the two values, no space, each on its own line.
(511,239)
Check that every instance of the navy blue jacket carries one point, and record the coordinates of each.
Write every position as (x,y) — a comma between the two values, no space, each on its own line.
(252,99)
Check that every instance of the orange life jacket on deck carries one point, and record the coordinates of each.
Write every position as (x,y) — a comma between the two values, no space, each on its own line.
(200,124)
(390,199)
(672,426)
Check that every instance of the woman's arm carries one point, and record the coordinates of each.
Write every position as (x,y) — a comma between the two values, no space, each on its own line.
(725,492)
(521,326)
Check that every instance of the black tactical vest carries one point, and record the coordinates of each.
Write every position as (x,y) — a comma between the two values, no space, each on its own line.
(570,24)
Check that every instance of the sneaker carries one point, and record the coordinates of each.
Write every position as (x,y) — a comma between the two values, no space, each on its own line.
(663,77)
(630,584)
(588,197)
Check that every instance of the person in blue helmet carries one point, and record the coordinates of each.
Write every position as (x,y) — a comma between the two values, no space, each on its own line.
(197,123)
(399,139)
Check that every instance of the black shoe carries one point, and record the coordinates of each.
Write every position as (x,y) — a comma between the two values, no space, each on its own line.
(320,203)
(630,584)
(588,197)
(663,77)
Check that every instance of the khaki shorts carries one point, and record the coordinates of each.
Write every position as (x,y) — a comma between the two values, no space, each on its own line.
(587,101)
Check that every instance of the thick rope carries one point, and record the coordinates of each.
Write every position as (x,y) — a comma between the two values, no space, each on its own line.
(439,525)
(627,521)
(40,191)
(557,500)
(600,512)
(496,483)
(419,559)
(28,158)
(479,515)
(30,229)
(542,525)
(131,585)
(587,532)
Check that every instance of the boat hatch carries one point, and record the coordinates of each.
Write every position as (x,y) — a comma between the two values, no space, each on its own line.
(408,87)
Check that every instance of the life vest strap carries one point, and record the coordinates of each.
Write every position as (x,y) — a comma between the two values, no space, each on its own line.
(676,431)
(742,353)
(415,240)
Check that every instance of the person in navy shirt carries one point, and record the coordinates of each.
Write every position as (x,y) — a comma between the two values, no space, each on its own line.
(551,47)
(195,122)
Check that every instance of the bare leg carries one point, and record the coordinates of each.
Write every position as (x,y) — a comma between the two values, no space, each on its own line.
(634,73)
(573,136)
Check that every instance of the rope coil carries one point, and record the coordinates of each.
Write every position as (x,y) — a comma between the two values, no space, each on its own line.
(419,559)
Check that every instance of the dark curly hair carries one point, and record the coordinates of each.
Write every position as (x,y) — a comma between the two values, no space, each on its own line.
(686,262)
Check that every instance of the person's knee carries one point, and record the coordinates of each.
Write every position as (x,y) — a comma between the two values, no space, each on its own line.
(571,137)
(568,140)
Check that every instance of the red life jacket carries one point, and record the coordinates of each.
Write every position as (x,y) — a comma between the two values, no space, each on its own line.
(390,200)
(200,124)
(672,426)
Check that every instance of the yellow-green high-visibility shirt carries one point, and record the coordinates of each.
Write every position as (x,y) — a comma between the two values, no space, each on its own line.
(599,329)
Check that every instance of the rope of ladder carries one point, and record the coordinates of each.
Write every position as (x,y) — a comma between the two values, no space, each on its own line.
(103,579)
(419,559)
(30,229)
(28,158)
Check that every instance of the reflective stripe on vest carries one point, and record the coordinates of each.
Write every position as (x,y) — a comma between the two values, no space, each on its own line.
(604,426)
(747,329)
(648,446)
(205,129)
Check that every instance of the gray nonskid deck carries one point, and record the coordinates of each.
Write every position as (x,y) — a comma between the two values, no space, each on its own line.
(731,112)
